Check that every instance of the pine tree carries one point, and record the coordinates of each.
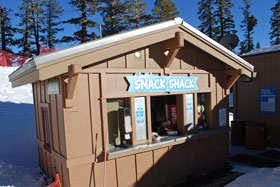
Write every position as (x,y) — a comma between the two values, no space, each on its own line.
(275,24)
(86,8)
(25,41)
(52,14)
(164,10)
(247,25)
(225,23)
(6,29)
(113,12)
(258,45)
(205,12)
(135,15)
(37,22)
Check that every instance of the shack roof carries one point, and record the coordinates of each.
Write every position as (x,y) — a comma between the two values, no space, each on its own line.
(56,63)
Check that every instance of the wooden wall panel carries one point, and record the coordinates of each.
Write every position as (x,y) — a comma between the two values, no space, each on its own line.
(161,162)
(43,91)
(60,119)
(118,62)
(134,62)
(77,121)
(36,111)
(81,175)
(177,159)
(156,57)
(41,137)
(95,104)
(55,130)
(144,165)
(111,175)
(126,171)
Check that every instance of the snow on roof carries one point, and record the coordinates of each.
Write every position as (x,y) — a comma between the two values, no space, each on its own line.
(269,49)
(43,59)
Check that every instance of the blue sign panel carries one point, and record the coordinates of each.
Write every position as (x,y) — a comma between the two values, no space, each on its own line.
(268,98)
(149,83)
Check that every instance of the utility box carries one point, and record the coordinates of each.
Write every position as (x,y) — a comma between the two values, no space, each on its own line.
(238,133)
(255,135)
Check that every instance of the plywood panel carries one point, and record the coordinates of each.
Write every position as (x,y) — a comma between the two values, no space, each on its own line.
(94,86)
(176,64)
(81,175)
(161,161)
(144,165)
(156,56)
(60,120)
(35,100)
(177,159)
(136,62)
(126,171)
(55,133)
(111,175)
(118,62)
(77,121)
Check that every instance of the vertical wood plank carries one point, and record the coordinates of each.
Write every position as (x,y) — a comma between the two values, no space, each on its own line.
(34,89)
(53,110)
(145,169)
(43,92)
(149,118)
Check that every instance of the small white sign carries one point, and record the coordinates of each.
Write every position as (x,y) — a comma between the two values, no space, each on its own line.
(222,117)
(189,110)
(140,114)
(53,87)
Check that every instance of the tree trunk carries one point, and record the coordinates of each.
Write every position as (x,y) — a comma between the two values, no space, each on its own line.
(84,21)
(3,36)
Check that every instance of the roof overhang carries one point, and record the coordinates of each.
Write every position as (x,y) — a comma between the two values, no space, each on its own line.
(56,63)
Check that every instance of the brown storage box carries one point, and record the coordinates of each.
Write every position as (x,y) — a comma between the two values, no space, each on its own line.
(255,135)
(237,133)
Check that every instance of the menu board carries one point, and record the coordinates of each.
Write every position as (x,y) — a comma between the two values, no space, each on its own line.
(222,116)
(140,116)
(189,110)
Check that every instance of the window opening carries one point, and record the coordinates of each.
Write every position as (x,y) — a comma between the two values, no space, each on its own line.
(201,110)
(47,128)
(119,122)
(164,116)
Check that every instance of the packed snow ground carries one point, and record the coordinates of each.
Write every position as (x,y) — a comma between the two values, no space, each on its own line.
(18,150)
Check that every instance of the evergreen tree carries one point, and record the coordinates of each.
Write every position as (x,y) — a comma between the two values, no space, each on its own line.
(258,45)
(37,22)
(275,24)
(135,15)
(225,23)
(25,41)
(164,10)
(205,12)
(113,12)
(247,25)
(52,14)
(86,8)
(6,29)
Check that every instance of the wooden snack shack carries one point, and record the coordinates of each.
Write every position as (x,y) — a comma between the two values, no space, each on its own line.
(147,107)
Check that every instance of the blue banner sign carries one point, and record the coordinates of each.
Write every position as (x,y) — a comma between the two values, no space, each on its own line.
(149,83)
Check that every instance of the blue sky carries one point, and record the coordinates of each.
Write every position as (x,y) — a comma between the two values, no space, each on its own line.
(188,11)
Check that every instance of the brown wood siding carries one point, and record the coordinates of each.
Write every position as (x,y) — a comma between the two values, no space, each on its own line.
(247,102)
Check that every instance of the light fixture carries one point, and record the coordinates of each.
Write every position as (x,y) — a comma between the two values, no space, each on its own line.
(137,54)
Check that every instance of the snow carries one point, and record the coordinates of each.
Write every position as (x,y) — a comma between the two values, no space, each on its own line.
(259,178)
(21,94)
(19,165)
(269,49)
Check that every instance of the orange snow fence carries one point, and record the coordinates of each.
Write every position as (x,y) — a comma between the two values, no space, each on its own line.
(11,59)
(45,50)
(56,183)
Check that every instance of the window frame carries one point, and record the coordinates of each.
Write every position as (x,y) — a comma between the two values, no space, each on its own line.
(47,128)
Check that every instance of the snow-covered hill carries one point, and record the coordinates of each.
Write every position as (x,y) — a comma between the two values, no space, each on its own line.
(21,94)
(19,165)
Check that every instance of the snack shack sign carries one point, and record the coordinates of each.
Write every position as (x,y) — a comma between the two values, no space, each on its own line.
(149,83)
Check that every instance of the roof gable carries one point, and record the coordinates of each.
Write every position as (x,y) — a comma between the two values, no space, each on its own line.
(56,63)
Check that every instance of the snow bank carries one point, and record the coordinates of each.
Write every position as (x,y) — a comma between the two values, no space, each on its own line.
(258,178)
(13,176)
(22,94)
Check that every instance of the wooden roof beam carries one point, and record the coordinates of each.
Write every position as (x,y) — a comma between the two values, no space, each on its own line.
(173,46)
(234,76)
